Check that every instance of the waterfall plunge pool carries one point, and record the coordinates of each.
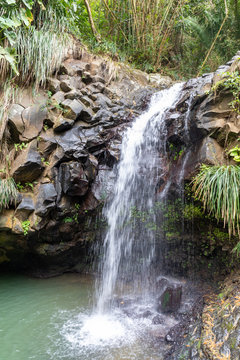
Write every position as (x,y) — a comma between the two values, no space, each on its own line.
(46,319)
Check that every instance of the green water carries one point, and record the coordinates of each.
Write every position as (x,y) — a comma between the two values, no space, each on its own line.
(48,319)
(30,312)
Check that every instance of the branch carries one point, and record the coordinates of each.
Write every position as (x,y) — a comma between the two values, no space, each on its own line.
(95,33)
(216,37)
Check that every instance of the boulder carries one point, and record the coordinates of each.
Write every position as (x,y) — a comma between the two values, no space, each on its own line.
(53,85)
(46,143)
(207,151)
(27,166)
(66,85)
(15,121)
(73,94)
(170,300)
(87,78)
(26,207)
(76,110)
(103,101)
(58,97)
(91,167)
(62,124)
(33,118)
(46,199)
(73,179)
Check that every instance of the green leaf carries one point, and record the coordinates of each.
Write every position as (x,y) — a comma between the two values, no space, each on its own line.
(5,53)
(234,153)
(25,18)
(28,3)
(10,2)
(237,158)
(9,23)
(11,36)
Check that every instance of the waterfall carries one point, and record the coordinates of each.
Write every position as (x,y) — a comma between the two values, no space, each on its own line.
(129,244)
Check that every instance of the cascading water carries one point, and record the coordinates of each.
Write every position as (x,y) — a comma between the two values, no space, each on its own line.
(128,249)
(123,320)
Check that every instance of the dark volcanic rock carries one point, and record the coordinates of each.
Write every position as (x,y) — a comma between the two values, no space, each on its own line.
(15,121)
(33,118)
(46,199)
(73,179)
(28,165)
(170,300)
(26,207)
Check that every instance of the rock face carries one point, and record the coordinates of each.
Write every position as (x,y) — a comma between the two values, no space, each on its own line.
(68,143)
(64,146)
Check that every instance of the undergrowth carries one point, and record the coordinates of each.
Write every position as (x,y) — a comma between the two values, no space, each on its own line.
(217,187)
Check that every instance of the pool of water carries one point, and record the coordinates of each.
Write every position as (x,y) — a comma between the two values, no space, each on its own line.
(51,319)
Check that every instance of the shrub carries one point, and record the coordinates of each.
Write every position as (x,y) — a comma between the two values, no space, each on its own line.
(218,189)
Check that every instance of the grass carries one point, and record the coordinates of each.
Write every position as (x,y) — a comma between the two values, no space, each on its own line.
(8,193)
(217,187)
(41,50)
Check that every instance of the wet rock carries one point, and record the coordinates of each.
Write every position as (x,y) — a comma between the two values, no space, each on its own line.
(91,167)
(170,300)
(87,101)
(15,121)
(104,116)
(157,319)
(103,101)
(53,85)
(66,85)
(160,81)
(46,143)
(58,97)
(86,78)
(146,314)
(73,179)
(28,165)
(169,338)
(99,87)
(62,124)
(76,110)
(33,118)
(26,207)
(73,94)
(46,199)
(98,79)
(103,185)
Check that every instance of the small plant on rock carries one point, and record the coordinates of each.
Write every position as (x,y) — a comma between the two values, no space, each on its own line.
(25,226)
(231,83)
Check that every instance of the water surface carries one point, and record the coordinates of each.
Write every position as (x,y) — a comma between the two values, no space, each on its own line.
(47,319)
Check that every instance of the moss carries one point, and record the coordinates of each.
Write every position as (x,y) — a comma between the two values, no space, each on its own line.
(191,211)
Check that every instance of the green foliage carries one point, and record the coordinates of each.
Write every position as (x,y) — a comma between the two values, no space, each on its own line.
(20,146)
(25,226)
(67,220)
(217,187)
(235,153)
(8,193)
(13,14)
(191,211)
(46,163)
(23,187)
(231,83)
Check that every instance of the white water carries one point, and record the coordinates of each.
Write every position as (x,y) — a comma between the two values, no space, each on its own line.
(117,328)
(128,250)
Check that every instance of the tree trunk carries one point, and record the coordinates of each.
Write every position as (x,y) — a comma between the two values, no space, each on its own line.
(95,33)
